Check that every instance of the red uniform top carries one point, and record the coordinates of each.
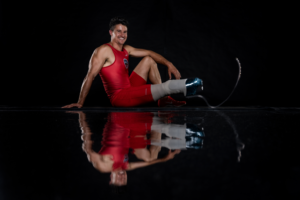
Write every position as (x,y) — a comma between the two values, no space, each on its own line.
(115,76)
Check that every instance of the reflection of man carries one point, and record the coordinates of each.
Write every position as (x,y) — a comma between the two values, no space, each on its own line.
(111,62)
(123,131)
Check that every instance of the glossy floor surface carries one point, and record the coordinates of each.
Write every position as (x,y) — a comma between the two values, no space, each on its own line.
(125,154)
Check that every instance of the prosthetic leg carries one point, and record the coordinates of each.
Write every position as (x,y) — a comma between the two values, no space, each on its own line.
(202,97)
(186,86)
(189,88)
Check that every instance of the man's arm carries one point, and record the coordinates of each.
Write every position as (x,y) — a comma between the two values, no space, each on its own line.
(134,52)
(96,63)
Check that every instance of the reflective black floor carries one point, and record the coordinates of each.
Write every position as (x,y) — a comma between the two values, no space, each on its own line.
(191,153)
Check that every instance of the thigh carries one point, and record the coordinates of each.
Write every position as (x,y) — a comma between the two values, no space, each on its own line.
(133,96)
(136,80)
(142,154)
(143,68)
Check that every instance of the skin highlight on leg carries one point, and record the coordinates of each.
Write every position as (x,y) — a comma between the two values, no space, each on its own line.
(154,150)
(154,75)
(151,153)
(142,154)
(147,68)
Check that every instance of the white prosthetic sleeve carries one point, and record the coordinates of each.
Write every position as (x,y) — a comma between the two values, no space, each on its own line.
(169,87)
(171,143)
(175,132)
(171,130)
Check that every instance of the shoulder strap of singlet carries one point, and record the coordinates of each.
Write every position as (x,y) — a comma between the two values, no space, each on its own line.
(114,48)
(125,51)
(110,46)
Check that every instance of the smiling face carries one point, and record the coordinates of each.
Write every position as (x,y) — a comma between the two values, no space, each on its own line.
(119,34)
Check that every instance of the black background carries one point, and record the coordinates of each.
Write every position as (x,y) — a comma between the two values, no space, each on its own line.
(46,47)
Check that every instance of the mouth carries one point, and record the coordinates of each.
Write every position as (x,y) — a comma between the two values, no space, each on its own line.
(122,39)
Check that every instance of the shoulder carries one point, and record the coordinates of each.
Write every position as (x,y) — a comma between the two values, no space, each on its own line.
(102,50)
(128,48)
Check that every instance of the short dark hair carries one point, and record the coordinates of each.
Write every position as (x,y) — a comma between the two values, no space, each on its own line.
(117,190)
(117,20)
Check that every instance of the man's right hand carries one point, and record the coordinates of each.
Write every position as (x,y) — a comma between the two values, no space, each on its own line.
(78,105)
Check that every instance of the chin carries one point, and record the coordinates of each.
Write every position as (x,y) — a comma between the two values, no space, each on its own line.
(122,42)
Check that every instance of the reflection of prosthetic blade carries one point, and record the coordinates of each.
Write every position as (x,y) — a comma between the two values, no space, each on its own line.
(194,137)
(194,142)
(193,131)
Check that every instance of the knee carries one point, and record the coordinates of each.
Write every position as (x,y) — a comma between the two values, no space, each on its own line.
(148,59)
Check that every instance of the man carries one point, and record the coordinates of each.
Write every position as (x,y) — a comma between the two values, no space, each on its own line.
(110,61)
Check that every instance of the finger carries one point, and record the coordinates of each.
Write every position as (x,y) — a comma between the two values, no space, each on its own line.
(68,106)
(178,75)
(175,74)
(72,105)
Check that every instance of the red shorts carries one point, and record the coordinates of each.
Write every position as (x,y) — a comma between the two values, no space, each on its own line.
(139,93)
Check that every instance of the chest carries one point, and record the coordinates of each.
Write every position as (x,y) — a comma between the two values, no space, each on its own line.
(118,59)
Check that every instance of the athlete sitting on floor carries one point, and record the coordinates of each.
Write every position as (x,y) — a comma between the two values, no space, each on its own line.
(110,61)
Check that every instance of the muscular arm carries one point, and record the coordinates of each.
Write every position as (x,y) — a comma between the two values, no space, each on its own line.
(86,133)
(135,52)
(96,63)
(87,144)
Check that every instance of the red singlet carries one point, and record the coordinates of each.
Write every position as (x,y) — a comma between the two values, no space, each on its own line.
(122,90)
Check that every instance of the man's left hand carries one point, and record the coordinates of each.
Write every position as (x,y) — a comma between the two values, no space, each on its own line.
(173,70)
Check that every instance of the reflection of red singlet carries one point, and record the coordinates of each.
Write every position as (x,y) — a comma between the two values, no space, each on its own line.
(122,131)
(115,77)
(115,142)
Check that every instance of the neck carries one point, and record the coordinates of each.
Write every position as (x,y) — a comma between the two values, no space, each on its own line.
(116,45)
